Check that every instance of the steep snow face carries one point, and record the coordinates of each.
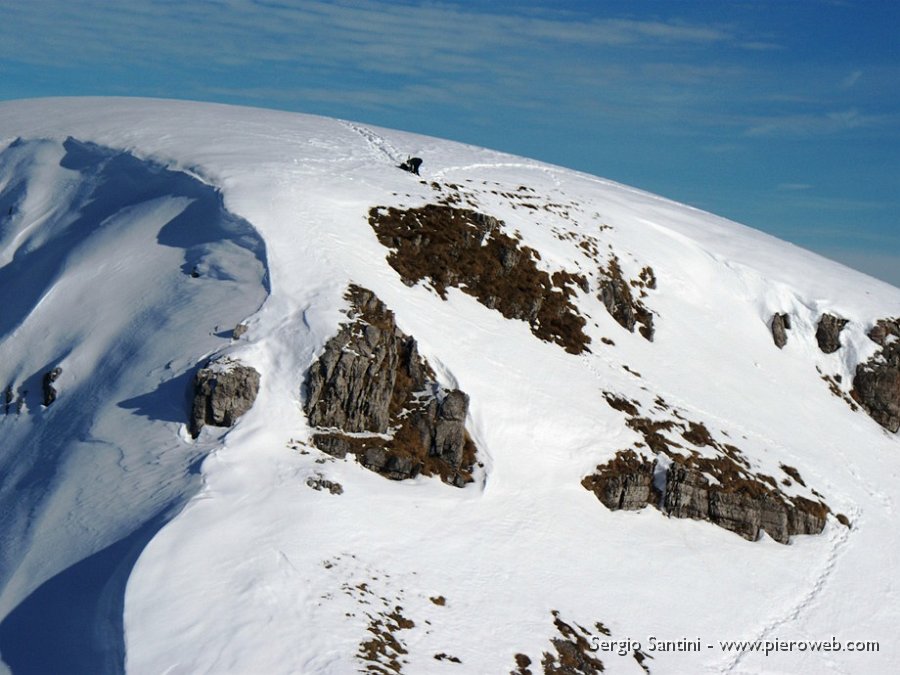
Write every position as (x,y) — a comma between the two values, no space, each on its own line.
(261,571)
(121,274)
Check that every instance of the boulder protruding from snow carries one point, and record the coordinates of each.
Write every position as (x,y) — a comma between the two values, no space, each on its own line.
(781,323)
(876,385)
(828,333)
(49,390)
(223,391)
(371,394)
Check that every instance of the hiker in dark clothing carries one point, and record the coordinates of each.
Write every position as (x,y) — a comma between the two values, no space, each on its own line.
(412,165)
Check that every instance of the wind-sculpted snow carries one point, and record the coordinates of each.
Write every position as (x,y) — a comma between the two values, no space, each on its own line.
(117,275)
(288,559)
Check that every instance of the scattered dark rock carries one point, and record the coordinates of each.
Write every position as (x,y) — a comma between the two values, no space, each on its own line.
(439,600)
(465,249)
(49,390)
(876,385)
(828,333)
(445,657)
(371,382)
(781,323)
(8,397)
(318,482)
(223,391)
(238,331)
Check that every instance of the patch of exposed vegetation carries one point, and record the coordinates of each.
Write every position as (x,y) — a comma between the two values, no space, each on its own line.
(465,249)
(574,651)
(522,663)
(384,651)
(834,386)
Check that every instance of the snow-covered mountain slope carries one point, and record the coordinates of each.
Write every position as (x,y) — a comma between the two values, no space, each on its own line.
(136,234)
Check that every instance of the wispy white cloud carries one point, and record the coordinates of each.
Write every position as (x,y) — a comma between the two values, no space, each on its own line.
(851,79)
(793,187)
(812,124)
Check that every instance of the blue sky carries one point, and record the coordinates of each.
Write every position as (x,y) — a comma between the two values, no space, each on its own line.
(781,114)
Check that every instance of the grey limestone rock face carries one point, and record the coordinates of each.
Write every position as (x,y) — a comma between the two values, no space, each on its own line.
(350,385)
(781,323)
(371,394)
(223,391)
(616,297)
(745,507)
(625,483)
(828,333)
(745,510)
(876,385)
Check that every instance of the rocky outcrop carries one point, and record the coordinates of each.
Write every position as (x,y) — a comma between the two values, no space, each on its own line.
(744,506)
(464,249)
(222,391)
(781,323)
(372,395)
(828,333)
(624,483)
(717,486)
(876,385)
(48,390)
(616,296)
